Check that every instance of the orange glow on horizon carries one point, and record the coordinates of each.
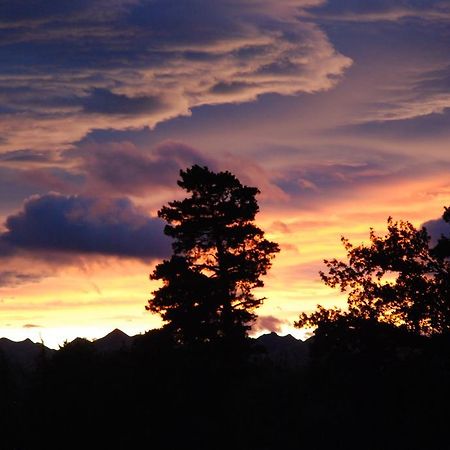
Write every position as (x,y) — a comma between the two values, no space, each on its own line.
(110,293)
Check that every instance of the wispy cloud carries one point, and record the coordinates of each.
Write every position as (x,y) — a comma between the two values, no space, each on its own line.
(131,63)
(381,11)
(31,325)
(11,278)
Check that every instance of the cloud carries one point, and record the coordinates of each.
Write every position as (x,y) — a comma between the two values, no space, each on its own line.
(436,229)
(11,278)
(382,10)
(341,178)
(268,323)
(422,92)
(130,63)
(111,169)
(21,179)
(400,51)
(430,126)
(85,225)
(333,179)
(24,156)
(118,168)
(13,189)
(124,168)
(102,101)
(31,325)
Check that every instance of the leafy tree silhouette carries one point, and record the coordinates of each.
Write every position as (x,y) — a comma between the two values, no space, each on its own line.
(397,280)
(442,248)
(219,256)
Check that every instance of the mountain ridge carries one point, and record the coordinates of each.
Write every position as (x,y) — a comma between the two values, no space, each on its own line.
(282,349)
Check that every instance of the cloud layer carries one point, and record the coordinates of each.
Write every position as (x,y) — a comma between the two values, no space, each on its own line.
(130,63)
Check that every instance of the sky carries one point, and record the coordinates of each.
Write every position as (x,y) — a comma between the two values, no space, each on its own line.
(337,110)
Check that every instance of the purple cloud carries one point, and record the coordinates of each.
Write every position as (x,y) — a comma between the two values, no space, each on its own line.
(436,229)
(125,64)
(25,156)
(125,169)
(102,101)
(85,225)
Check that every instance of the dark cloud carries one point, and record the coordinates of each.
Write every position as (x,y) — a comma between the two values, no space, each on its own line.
(102,101)
(26,156)
(268,323)
(79,224)
(31,325)
(11,278)
(230,88)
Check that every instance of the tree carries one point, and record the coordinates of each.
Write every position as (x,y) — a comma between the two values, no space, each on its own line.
(442,248)
(219,257)
(397,280)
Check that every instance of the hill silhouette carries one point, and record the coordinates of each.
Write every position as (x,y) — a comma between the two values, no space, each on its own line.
(285,350)
(114,341)
(23,354)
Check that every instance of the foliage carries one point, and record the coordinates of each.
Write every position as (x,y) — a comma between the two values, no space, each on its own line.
(219,256)
(396,279)
(442,249)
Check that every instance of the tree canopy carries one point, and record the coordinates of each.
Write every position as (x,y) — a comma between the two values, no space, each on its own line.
(219,257)
(442,248)
(397,279)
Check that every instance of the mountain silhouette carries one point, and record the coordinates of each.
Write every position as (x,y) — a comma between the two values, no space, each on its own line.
(23,354)
(284,350)
(114,341)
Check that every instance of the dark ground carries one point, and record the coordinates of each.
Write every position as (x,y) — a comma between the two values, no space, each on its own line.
(356,392)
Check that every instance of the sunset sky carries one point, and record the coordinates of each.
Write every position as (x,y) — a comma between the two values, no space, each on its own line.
(338,111)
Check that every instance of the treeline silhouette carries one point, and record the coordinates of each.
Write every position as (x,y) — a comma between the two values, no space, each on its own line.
(371,387)
(373,376)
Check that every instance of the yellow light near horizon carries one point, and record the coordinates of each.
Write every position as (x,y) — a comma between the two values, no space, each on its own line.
(102,293)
